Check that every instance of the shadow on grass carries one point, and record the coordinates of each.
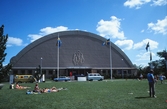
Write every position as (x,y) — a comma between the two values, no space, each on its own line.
(141,97)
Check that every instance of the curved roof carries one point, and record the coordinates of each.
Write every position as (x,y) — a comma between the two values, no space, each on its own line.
(79,49)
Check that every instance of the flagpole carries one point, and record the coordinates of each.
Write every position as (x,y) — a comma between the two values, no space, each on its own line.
(108,42)
(150,57)
(110,61)
(58,57)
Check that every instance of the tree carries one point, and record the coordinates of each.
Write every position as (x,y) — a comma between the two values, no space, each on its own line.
(163,54)
(4,70)
(141,70)
(159,66)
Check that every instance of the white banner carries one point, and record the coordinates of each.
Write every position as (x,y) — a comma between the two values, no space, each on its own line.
(81,78)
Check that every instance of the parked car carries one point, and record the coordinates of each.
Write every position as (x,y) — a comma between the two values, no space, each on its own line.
(62,78)
(94,76)
(24,78)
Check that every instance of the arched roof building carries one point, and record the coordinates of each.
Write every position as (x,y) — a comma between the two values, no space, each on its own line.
(80,52)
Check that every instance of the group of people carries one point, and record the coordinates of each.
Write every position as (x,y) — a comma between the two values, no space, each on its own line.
(38,90)
(44,90)
(160,78)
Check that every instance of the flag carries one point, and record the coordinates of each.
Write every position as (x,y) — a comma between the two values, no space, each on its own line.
(107,42)
(148,45)
(58,42)
(150,56)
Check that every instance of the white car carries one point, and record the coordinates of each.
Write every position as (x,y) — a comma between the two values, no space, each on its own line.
(94,76)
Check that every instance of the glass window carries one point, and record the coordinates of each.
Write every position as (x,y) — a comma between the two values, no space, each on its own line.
(26,77)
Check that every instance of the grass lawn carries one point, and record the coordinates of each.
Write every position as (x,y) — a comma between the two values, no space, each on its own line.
(107,94)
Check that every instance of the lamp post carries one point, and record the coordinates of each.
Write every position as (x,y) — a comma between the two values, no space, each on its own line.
(41,65)
(40,75)
(122,71)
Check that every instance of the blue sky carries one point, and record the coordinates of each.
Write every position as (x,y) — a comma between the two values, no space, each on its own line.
(130,24)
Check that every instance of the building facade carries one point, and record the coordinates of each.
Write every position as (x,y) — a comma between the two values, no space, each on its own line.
(79,53)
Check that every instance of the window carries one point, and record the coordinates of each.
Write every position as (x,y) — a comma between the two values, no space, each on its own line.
(26,77)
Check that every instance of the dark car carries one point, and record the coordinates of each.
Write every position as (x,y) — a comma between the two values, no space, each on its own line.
(62,78)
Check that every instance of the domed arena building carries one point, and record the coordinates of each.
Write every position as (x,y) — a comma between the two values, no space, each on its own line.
(80,52)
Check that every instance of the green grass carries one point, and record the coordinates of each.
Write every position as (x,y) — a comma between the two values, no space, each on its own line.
(116,94)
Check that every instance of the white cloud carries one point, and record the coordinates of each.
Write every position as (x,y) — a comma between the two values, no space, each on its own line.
(142,44)
(34,37)
(135,3)
(125,44)
(110,28)
(159,2)
(141,63)
(14,41)
(142,31)
(138,3)
(144,56)
(46,31)
(159,27)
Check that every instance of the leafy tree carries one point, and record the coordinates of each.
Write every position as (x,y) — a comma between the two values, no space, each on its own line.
(159,66)
(4,70)
(162,54)
(163,62)
(141,70)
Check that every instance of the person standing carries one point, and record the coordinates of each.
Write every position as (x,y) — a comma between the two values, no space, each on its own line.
(161,78)
(141,76)
(71,76)
(150,78)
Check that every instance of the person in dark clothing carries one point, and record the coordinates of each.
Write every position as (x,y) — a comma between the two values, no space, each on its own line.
(150,78)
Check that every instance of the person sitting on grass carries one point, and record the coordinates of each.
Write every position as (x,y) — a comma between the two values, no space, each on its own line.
(36,88)
(21,87)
